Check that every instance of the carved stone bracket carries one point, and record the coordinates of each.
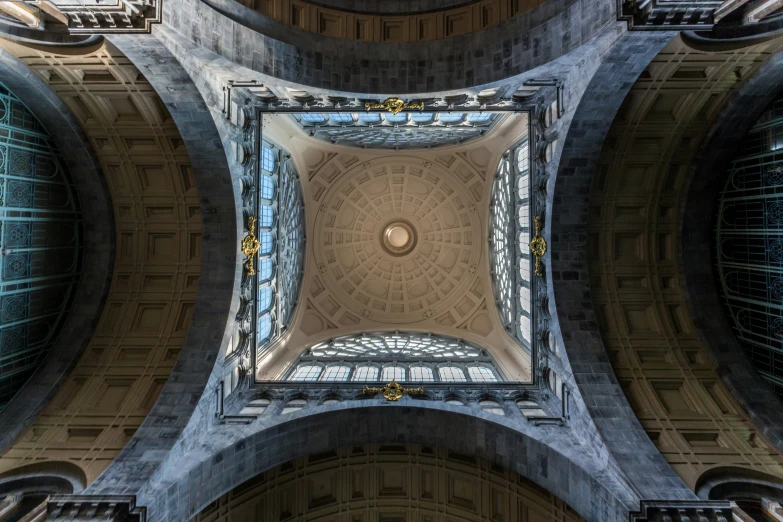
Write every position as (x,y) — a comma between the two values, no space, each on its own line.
(684,511)
(106,508)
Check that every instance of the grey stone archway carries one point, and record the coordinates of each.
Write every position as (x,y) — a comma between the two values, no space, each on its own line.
(228,455)
(706,180)
(528,40)
(217,300)
(574,322)
(98,253)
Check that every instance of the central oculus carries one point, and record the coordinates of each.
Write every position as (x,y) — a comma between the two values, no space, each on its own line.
(398,238)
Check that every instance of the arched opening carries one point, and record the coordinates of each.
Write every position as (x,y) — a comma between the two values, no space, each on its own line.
(759,495)
(389,482)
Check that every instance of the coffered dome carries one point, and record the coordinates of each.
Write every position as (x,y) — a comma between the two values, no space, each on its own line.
(399,239)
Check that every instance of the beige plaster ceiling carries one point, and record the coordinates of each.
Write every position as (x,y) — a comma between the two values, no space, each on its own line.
(355,281)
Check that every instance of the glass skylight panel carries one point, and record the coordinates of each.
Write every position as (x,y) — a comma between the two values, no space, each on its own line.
(306,373)
(336,373)
(264,299)
(264,270)
(422,117)
(313,117)
(267,241)
(479,117)
(341,117)
(264,328)
(267,187)
(268,159)
(370,117)
(451,374)
(396,118)
(393,373)
(421,373)
(481,374)
(450,117)
(365,373)
(266,216)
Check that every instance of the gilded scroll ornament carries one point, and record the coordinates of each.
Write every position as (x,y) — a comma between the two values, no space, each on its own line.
(538,246)
(393,105)
(250,245)
(393,391)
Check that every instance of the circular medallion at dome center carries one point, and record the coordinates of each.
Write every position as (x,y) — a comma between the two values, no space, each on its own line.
(398,240)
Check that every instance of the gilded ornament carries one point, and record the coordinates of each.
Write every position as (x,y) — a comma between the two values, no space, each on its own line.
(393,391)
(250,245)
(538,246)
(393,105)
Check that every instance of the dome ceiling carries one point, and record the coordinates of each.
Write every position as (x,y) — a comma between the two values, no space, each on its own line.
(40,244)
(399,239)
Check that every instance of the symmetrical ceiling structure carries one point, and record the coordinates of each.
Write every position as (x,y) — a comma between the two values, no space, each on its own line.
(390,261)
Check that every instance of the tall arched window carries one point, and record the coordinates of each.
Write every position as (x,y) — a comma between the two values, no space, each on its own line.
(280,232)
(510,234)
(749,245)
(395,356)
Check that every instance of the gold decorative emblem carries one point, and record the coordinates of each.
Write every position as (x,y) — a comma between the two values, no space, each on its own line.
(393,391)
(250,245)
(393,105)
(538,246)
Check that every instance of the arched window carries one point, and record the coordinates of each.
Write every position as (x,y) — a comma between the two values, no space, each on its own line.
(397,356)
(393,373)
(481,374)
(336,373)
(280,233)
(365,373)
(451,374)
(421,373)
(510,258)
(305,373)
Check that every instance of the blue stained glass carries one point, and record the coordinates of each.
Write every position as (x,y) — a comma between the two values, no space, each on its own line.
(397,118)
(268,160)
(370,117)
(451,117)
(479,117)
(341,117)
(264,299)
(313,118)
(267,187)
(266,216)
(422,117)
(264,328)
(267,241)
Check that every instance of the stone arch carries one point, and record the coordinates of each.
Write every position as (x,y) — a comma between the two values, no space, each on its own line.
(356,66)
(389,480)
(212,471)
(51,477)
(705,182)
(633,243)
(98,260)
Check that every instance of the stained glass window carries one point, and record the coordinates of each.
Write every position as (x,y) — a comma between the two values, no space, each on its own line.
(510,236)
(41,243)
(749,245)
(281,237)
(403,356)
